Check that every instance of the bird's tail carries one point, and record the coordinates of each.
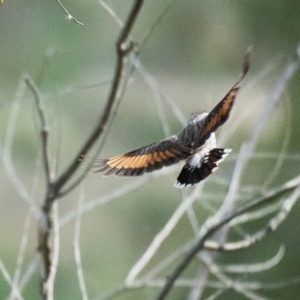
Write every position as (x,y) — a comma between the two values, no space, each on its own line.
(191,175)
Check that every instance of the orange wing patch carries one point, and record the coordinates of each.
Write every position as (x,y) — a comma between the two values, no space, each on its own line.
(137,162)
(219,114)
(127,162)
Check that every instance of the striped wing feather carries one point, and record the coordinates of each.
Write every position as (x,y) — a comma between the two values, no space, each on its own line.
(145,159)
(220,113)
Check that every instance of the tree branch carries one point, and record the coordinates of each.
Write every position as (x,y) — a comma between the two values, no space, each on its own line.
(199,245)
(123,48)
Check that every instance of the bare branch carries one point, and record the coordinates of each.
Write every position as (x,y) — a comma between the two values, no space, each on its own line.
(48,283)
(30,271)
(20,259)
(228,282)
(153,84)
(9,280)
(254,268)
(44,126)
(77,253)
(161,236)
(287,137)
(6,154)
(156,23)
(111,12)
(199,245)
(92,204)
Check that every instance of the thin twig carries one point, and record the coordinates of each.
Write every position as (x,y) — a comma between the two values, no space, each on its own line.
(44,126)
(153,84)
(30,271)
(161,236)
(94,203)
(228,282)
(77,253)
(272,225)
(20,259)
(157,22)
(111,12)
(7,277)
(283,151)
(251,216)
(254,268)
(69,16)
(6,153)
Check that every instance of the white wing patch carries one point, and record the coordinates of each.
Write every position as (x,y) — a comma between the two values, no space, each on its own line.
(196,160)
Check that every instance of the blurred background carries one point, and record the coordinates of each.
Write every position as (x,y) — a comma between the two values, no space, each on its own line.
(194,53)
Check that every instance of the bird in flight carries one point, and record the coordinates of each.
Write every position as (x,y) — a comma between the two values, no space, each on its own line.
(196,144)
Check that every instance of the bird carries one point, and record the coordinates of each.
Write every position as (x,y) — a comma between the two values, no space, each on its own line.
(196,144)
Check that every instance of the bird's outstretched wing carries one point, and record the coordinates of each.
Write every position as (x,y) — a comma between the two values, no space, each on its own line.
(145,159)
(220,113)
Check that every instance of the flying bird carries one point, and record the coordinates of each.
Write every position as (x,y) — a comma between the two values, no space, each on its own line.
(196,144)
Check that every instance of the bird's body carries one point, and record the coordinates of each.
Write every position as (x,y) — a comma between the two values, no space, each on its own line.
(196,144)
